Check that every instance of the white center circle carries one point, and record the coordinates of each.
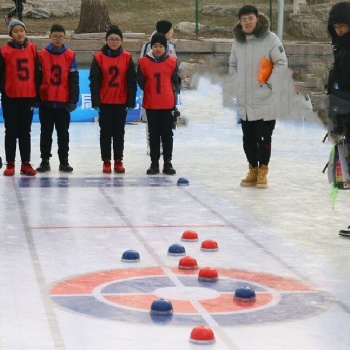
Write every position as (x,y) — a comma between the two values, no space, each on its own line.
(186,293)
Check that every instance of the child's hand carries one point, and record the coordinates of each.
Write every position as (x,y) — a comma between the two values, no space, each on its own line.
(71,107)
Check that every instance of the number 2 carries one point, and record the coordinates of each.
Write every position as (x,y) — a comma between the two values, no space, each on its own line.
(115,72)
(157,76)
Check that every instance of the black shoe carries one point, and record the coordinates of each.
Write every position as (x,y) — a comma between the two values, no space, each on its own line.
(44,166)
(153,169)
(64,166)
(168,169)
(345,233)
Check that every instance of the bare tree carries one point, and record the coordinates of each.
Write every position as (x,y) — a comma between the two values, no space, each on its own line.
(94,17)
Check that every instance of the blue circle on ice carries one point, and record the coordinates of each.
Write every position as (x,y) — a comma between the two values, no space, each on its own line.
(131,256)
(176,249)
(161,307)
(182,182)
(245,293)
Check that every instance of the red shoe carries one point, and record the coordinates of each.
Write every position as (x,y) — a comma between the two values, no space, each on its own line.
(107,169)
(118,166)
(10,169)
(27,169)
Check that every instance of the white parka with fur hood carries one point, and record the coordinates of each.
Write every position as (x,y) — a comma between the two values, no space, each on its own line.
(256,100)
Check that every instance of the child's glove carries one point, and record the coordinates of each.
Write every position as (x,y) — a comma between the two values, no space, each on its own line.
(71,107)
(175,114)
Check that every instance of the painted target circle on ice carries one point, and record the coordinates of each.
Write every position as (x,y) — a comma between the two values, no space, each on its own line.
(127,294)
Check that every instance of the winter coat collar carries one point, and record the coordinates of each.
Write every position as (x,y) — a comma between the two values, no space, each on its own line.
(260,30)
(15,45)
(158,60)
(342,42)
(50,48)
(111,53)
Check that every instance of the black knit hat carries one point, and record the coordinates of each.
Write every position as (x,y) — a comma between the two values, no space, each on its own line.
(340,13)
(163,26)
(159,38)
(114,30)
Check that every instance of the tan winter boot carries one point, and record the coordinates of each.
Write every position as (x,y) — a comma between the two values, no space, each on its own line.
(251,177)
(262,180)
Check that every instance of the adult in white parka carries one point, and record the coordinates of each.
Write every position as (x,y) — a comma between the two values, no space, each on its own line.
(257,102)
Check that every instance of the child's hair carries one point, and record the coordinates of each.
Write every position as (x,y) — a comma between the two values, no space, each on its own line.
(163,26)
(57,28)
(246,10)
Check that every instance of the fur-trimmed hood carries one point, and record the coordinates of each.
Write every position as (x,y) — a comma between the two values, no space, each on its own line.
(260,30)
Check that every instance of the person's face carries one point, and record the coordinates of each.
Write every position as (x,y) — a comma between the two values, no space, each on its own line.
(158,50)
(18,34)
(57,39)
(170,34)
(114,41)
(341,28)
(248,22)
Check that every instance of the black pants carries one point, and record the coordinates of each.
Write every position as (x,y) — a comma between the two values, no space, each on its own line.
(17,10)
(257,137)
(18,117)
(160,123)
(50,118)
(112,128)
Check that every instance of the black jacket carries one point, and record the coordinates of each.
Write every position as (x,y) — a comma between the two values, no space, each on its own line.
(340,74)
(96,76)
(3,68)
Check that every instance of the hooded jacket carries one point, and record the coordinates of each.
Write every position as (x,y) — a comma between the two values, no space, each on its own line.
(340,74)
(256,100)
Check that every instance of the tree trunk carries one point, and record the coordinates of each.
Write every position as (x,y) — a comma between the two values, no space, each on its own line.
(94,17)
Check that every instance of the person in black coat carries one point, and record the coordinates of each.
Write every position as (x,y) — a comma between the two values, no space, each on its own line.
(339,75)
(113,89)
(16,11)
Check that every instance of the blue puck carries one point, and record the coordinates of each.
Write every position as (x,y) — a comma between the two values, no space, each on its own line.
(244,294)
(161,307)
(182,182)
(131,256)
(176,250)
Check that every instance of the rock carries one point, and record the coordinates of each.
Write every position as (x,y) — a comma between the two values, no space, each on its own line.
(190,28)
(220,10)
(38,13)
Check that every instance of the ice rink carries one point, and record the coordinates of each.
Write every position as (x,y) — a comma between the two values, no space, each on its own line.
(62,236)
